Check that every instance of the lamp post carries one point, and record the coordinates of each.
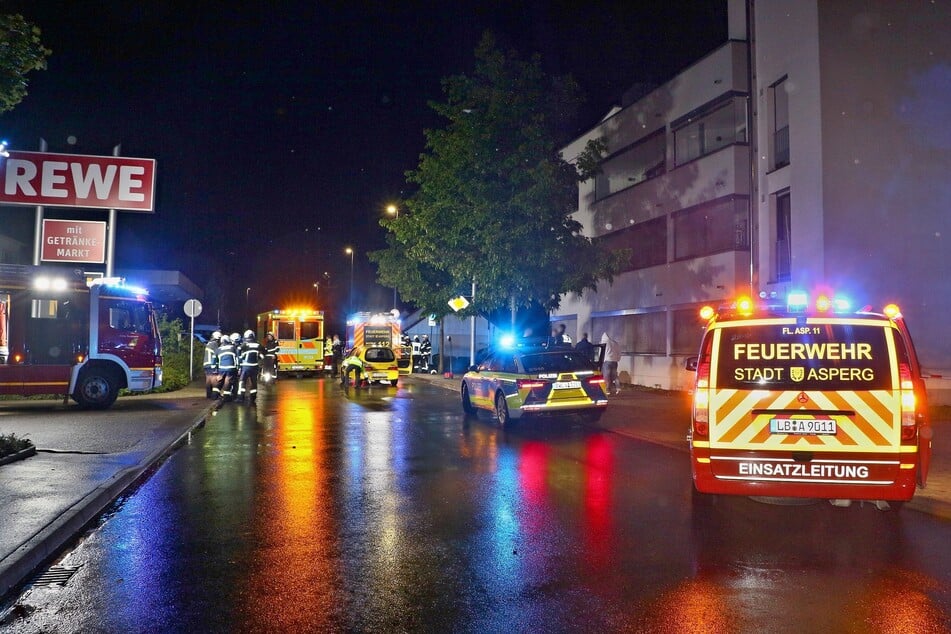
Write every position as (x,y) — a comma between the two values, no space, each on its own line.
(349,251)
(317,293)
(247,295)
(393,209)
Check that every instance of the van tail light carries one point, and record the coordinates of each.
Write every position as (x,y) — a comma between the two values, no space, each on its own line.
(701,401)
(530,384)
(596,380)
(909,429)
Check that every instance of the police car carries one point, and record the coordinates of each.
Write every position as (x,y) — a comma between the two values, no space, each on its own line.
(808,398)
(514,383)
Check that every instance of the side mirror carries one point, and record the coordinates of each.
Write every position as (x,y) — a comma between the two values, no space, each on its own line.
(691,363)
(473,368)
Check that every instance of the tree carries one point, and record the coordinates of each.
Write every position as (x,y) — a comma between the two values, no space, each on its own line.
(21,51)
(493,197)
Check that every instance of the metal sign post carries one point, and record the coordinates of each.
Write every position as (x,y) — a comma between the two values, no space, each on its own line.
(192,309)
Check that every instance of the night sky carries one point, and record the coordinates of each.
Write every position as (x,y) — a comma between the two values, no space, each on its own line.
(282,129)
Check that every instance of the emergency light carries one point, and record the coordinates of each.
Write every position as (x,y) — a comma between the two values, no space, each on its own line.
(796,302)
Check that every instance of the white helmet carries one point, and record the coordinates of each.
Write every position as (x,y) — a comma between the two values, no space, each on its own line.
(216,335)
(235,337)
(249,334)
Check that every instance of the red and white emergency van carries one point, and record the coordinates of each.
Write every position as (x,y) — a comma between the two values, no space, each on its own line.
(62,335)
(809,399)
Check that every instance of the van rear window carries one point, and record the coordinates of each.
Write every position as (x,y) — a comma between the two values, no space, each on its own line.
(803,357)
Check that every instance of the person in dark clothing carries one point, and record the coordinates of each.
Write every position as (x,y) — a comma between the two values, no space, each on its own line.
(585,347)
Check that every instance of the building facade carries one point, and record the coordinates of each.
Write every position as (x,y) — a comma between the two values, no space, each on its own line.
(834,177)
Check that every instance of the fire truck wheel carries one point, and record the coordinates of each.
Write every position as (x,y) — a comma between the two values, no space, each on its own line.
(97,388)
(466,403)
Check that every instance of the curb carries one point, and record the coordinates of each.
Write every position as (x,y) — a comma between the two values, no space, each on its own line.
(20,455)
(48,542)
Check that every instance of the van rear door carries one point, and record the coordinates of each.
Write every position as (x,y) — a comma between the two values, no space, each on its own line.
(816,385)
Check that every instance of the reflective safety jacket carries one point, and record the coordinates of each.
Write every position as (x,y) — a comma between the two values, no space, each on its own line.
(227,358)
(211,355)
(250,354)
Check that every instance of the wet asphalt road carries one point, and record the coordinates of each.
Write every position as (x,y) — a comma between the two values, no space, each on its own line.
(385,510)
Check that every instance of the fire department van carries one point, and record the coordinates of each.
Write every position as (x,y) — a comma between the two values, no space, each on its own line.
(809,399)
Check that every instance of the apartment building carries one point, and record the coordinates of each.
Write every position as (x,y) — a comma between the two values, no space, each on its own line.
(835,176)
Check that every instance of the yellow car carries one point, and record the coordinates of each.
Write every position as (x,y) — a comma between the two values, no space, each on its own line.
(369,364)
(516,383)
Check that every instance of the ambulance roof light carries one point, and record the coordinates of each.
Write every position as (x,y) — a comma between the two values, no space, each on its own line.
(892,311)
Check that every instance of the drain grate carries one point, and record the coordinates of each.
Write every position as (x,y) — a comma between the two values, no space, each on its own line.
(55,576)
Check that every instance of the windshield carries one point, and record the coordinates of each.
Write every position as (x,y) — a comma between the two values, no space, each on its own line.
(566,361)
(378,355)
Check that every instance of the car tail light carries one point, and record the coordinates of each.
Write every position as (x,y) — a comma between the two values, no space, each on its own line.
(530,384)
(909,401)
(596,380)
(701,400)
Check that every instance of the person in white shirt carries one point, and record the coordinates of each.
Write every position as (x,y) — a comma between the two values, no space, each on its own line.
(612,354)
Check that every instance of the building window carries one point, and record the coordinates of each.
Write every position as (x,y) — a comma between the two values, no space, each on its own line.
(783,231)
(645,333)
(780,123)
(707,132)
(711,228)
(634,165)
(646,240)
(687,331)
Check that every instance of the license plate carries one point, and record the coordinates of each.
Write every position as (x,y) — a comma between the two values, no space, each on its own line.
(566,385)
(803,426)
(379,375)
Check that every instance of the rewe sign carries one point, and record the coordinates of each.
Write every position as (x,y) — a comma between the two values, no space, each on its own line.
(74,241)
(71,180)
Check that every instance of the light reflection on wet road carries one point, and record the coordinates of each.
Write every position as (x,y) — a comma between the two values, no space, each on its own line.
(384,510)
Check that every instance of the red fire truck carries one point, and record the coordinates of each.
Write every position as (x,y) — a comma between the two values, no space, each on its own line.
(62,335)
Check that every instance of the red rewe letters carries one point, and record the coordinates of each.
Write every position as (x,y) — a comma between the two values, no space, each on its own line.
(70,180)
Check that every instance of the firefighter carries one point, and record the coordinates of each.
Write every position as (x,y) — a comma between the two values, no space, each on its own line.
(271,348)
(210,365)
(227,367)
(426,351)
(249,358)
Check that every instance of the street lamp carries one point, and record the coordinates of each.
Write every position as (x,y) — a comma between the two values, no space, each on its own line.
(393,209)
(349,252)
(317,293)
(247,295)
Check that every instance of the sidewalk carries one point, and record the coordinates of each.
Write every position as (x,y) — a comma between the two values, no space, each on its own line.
(82,465)
(663,418)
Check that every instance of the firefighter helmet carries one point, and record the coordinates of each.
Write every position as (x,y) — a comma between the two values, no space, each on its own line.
(248,335)
(216,335)
(235,337)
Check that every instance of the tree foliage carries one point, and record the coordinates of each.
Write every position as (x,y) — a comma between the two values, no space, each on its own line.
(21,51)
(493,197)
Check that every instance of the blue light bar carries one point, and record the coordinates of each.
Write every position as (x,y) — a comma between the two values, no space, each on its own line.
(797,300)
